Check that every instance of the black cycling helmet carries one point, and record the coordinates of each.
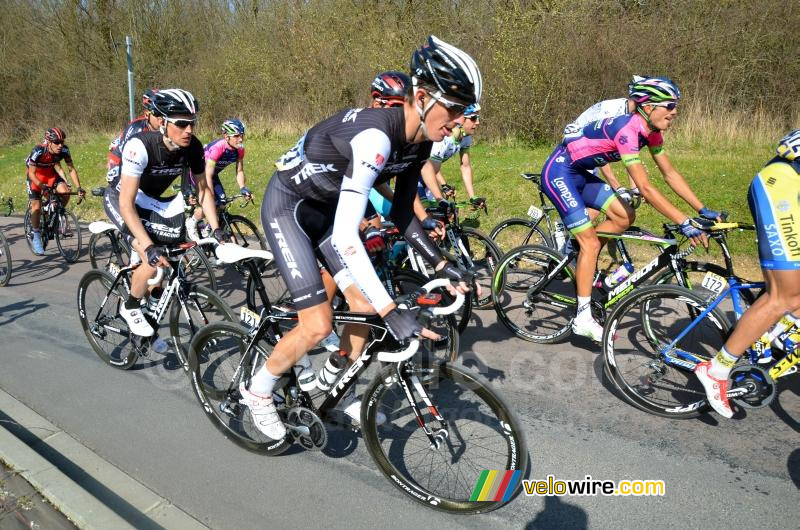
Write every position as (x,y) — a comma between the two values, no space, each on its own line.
(390,86)
(172,102)
(55,134)
(147,99)
(450,70)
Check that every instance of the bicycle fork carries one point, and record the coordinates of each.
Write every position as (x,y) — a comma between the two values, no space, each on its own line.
(436,437)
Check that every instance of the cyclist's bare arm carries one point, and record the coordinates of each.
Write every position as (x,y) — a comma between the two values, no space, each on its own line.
(429,171)
(466,173)
(209,182)
(207,200)
(129,186)
(32,176)
(386,191)
(610,177)
(651,194)
(676,181)
(73,173)
(240,178)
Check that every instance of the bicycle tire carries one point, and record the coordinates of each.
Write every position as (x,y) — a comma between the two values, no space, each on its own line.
(214,356)
(28,229)
(519,231)
(485,255)
(92,289)
(207,306)
(69,236)
(5,260)
(249,236)
(643,322)
(533,311)
(489,422)
(430,351)
(198,269)
(101,252)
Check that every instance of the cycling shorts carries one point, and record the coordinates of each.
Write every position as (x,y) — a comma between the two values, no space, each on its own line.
(571,190)
(35,192)
(163,220)
(298,231)
(774,199)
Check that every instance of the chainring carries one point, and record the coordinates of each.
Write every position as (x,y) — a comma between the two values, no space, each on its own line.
(317,438)
(762,387)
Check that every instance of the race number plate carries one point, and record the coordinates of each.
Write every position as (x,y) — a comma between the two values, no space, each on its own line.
(249,318)
(714,282)
(535,212)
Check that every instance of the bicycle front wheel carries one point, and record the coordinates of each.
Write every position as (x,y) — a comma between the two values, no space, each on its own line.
(216,360)
(106,330)
(198,269)
(527,303)
(68,236)
(245,233)
(197,307)
(650,374)
(484,255)
(5,260)
(519,231)
(102,255)
(28,228)
(475,431)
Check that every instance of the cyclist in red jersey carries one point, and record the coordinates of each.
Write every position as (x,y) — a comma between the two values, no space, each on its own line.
(44,173)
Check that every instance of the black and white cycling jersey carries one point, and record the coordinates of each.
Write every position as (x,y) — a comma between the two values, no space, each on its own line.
(334,166)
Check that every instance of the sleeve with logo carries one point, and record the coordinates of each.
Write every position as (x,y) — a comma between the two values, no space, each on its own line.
(134,158)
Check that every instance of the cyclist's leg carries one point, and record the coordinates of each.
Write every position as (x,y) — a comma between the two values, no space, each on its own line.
(35,197)
(61,187)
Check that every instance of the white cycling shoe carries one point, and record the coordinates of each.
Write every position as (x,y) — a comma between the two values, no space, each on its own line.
(351,406)
(588,328)
(137,324)
(265,416)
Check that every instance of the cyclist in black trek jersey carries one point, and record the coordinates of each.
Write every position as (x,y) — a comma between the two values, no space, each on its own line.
(317,199)
(151,161)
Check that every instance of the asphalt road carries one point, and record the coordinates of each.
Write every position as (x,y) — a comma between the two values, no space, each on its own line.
(739,473)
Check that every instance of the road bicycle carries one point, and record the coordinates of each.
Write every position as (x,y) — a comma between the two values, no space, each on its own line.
(444,424)
(109,251)
(534,286)
(469,248)
(190,307)
(656,336)
(5,252)
(56,222)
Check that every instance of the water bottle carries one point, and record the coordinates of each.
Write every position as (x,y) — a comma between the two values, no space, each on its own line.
(306,378)
(330,372)
(619,275)
(155,298)
(560,235)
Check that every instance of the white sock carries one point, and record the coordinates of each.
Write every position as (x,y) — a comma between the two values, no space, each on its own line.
(722,364)
(584,308)
(263,382)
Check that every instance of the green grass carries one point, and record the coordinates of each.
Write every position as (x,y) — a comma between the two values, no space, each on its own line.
(719,174)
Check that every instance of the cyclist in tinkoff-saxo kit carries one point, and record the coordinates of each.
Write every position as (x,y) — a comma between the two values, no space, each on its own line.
(219,154)
(317,199)
(151,161)
(569,183)
(774,199)
(44,173)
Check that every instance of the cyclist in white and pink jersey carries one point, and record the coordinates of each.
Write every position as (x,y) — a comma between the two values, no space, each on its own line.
(569,183)
(219,154)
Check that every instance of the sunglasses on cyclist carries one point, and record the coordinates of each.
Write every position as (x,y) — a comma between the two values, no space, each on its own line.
(669,105)
(474,117)
(452,106)
(390,102)
(57,142)
(181,123)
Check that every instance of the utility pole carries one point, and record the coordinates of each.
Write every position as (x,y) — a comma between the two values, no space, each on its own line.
(129,53)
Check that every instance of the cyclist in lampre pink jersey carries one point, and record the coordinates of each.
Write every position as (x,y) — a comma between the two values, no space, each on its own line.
(570,184)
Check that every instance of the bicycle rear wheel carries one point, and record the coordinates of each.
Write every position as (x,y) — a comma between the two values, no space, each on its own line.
(484,255)
(526,303)
(68,236)
(215,356)
(102,255)
(477,432)
(5,260)
(520,231)
(107,332)
(245,233)
(636,335)
(194,309)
